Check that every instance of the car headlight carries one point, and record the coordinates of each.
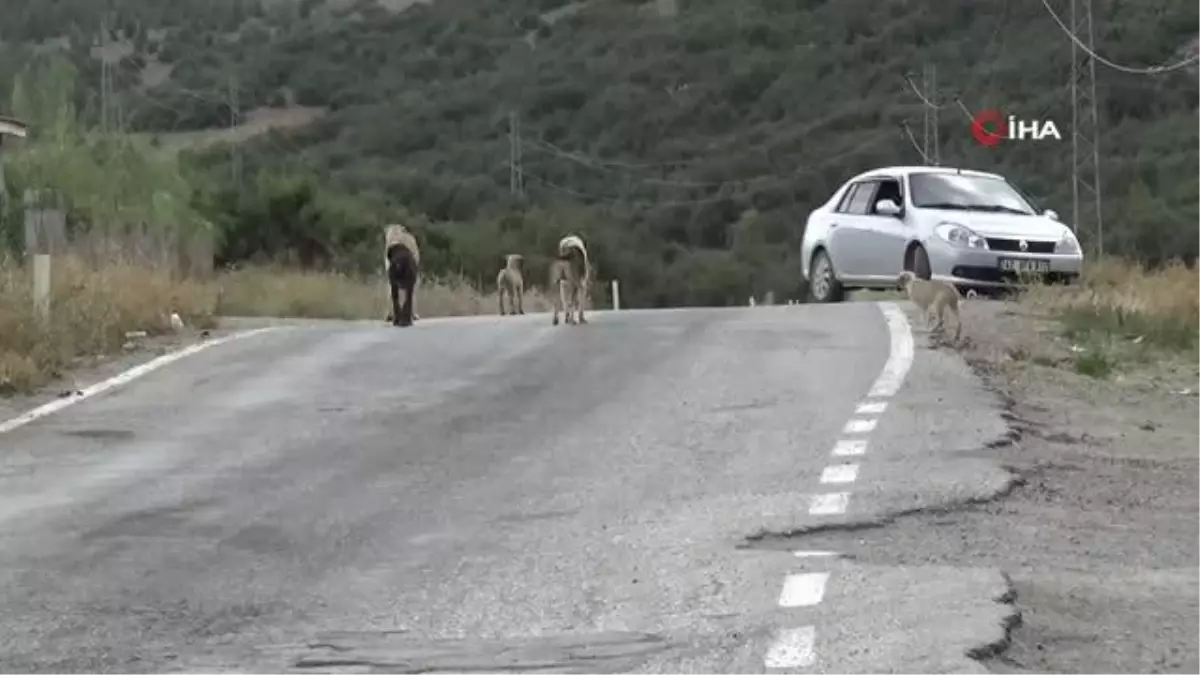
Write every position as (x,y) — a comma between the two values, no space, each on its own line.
(1068,245)
(957,235)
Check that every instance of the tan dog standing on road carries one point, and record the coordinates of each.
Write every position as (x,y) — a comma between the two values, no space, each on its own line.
(511,282)
(933,298)
(570,274)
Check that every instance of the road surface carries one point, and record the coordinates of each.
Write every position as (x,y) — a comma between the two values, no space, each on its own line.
(498,494)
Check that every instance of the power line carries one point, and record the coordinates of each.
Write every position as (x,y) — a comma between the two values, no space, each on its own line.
(606,163)
(104,75)
(516,176)
(932,144)
(1085,119)
(584,160)
(916,146)
(930,147)
(1152,70)
(764,180)
(235,118)
(973,75)
(924,99)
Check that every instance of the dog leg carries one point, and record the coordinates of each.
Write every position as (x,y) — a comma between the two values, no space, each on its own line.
(560,301)
(573,299)
(521,299)
(414,314)
(406,311)
(394,317)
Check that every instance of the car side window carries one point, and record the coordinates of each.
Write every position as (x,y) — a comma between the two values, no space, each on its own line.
(846,197)
(858,201)
(888,189)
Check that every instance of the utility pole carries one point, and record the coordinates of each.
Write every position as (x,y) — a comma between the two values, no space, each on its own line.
(104,75)
(516,179)
(931,141)
(235,114)
(1085,147)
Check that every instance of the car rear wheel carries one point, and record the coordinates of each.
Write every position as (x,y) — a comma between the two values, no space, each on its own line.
(825,287)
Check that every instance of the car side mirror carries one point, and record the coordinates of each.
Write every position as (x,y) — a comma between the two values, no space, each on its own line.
(1051,214)
(887,207)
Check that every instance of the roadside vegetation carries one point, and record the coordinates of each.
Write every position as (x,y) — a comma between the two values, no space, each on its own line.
(96,308)
(684,140)
(1123,314)
(283,292)
(134,245)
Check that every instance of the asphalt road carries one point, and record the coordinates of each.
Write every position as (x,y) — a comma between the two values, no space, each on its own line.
(495,493)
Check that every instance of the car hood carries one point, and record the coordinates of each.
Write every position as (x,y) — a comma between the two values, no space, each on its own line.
(1007,224)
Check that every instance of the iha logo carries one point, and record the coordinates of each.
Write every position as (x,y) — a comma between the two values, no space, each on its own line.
(991,126)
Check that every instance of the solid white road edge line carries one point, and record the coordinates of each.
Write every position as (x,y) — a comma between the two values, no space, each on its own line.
(122,378)
(900,352)
(803,590)
(793,648)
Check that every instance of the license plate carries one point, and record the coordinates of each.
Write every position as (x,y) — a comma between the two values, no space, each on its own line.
(1021,265)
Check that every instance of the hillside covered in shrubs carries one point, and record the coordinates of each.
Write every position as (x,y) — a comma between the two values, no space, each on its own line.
(686,139)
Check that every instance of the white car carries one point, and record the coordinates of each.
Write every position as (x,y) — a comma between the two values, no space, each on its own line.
(973,229)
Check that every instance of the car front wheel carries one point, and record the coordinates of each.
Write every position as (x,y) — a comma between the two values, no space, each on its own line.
(825,287)
(920,264)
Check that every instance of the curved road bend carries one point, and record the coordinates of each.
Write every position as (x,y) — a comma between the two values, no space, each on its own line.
(478,494)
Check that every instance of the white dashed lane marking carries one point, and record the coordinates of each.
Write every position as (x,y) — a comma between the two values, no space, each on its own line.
(829,503)
(849,447)
(859,426)
(840,473)
(793,648)
(796,647)
(803,590)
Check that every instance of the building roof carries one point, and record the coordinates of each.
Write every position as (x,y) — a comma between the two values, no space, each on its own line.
(13,127)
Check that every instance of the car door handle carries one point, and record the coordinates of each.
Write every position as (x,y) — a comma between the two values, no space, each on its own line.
(832,225)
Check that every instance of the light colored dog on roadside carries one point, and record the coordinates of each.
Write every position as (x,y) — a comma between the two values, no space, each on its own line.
(934,299)
(511,282)
(570,275)
(402,268)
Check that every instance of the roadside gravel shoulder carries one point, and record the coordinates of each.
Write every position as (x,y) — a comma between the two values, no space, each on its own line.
(89,370)
(1101,541)
(1098,536)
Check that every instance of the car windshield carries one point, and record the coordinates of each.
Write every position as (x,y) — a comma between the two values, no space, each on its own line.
(967,193)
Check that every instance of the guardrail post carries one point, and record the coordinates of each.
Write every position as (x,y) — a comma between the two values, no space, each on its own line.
(38,245)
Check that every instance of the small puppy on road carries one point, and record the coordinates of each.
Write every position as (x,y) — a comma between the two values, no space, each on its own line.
(933,298)
(511,282)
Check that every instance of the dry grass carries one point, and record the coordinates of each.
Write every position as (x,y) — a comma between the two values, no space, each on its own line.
(91,311)
(1121,312)
(1116,297)
(273,291)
